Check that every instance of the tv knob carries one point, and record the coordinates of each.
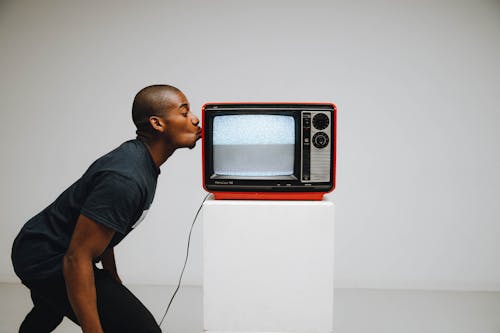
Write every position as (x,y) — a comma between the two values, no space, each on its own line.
(321,121)
(320,140)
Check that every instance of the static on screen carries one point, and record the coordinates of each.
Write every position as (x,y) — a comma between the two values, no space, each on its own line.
(253,145)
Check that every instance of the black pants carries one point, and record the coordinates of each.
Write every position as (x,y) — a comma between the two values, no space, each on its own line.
(119,310)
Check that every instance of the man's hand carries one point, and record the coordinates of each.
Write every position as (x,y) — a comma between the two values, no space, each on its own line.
(88,242)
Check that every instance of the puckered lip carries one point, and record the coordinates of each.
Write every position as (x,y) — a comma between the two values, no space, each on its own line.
(198,133)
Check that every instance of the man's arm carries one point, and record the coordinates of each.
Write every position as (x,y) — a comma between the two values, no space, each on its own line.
(109,264)
(89,240)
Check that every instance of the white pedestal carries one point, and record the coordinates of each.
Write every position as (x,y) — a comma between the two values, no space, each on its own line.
(268,266)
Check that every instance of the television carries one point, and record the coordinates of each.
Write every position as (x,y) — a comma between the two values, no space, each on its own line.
(273,151)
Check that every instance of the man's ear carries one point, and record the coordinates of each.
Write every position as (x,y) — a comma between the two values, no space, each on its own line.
(157,123)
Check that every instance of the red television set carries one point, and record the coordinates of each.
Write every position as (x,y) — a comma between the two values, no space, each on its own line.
(271,151)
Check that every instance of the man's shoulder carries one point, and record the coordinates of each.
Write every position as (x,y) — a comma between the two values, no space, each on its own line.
(131,160)
(126,157)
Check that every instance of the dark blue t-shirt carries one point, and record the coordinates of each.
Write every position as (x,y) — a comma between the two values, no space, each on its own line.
(116,191)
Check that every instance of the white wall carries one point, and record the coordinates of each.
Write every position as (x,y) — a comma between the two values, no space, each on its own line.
(416,84)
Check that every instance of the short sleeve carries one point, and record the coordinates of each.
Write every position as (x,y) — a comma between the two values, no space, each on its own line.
(113,201)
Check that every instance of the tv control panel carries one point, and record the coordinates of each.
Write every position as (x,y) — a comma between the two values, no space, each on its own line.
(316,152)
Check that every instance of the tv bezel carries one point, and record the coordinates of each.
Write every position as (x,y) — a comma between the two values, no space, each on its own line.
(256,187)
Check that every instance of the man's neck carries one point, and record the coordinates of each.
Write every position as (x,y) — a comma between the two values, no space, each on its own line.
(159,150)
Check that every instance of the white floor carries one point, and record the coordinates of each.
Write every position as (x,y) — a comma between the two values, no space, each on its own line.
(356,310)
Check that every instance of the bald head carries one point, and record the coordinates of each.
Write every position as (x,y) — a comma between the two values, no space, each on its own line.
(151,101)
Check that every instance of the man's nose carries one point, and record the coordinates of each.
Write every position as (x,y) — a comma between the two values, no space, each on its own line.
(195,120)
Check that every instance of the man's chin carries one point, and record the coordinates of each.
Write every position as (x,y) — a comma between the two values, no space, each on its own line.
(194,143)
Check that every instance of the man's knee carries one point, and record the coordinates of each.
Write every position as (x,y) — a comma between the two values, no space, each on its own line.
(153,329)
(40,320)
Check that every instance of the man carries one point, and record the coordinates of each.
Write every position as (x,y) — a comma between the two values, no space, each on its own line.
(55,251)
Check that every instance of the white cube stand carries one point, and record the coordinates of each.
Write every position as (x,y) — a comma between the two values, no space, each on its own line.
(268,266)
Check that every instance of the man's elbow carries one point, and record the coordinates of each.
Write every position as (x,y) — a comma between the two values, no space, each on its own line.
(74,261)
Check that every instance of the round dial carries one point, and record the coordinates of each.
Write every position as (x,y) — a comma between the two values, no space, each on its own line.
(321,121)
(320,140)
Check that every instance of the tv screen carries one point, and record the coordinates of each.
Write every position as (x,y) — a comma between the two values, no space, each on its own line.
(253,145)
